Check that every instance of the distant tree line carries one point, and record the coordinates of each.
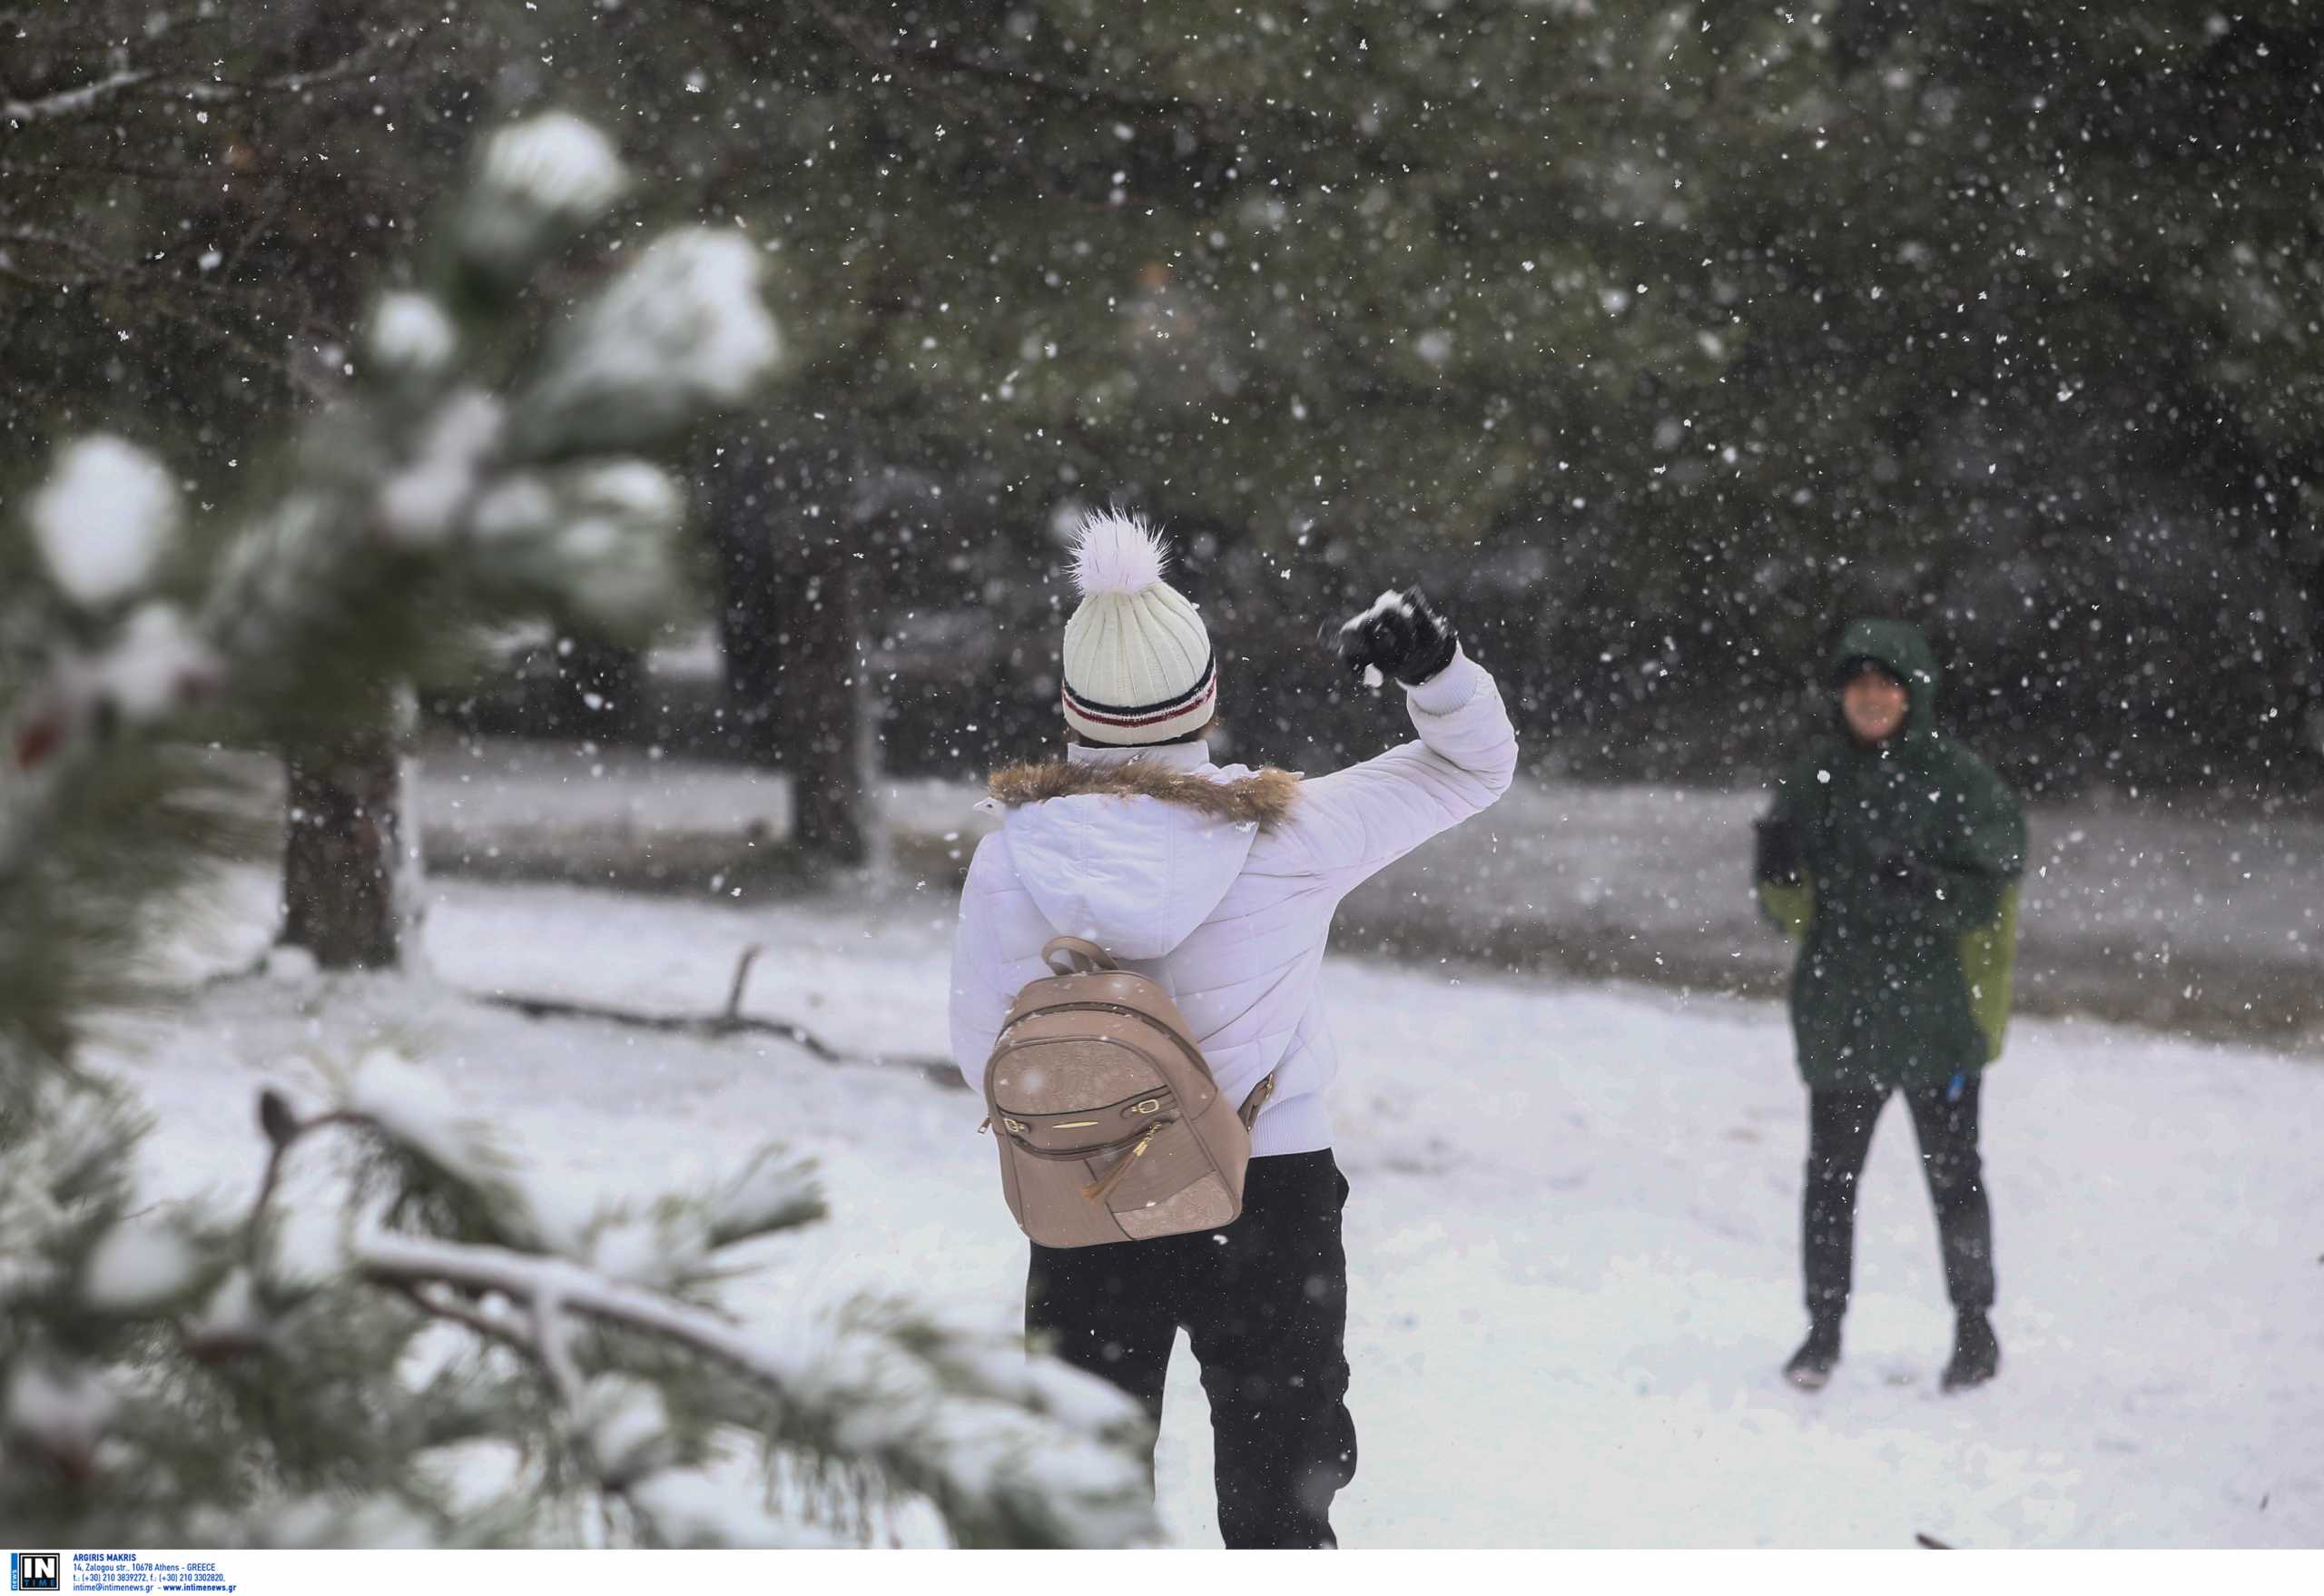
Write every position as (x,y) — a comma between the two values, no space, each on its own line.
(1659,338)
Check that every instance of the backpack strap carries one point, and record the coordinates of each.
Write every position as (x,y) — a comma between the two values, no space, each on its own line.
(1257,1101)
(1074,955)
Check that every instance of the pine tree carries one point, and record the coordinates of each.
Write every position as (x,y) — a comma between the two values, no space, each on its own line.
(180,1374)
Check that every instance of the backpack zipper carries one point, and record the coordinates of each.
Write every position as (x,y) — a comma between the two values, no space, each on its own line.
(1077,1155)
(1193,1053)
(1143,1104)
(1099,1190)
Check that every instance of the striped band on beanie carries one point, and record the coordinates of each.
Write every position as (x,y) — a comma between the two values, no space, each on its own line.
(1117,723)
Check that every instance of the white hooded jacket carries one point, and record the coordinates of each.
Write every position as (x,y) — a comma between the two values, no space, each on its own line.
(1230,915)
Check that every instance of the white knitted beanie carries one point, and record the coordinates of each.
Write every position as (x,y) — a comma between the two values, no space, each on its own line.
(1138,668)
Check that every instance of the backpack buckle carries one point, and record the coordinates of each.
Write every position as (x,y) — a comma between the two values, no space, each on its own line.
(1150,1106)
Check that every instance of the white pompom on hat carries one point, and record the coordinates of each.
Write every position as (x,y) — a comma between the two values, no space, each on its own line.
(1138,667)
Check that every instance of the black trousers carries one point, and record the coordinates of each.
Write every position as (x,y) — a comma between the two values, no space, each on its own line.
(1264,1303)
(1839,1138)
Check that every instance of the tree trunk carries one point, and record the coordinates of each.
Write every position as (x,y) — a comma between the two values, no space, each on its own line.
(823,703)
(792,626)
(2316,658)
(342,857)
(750,617)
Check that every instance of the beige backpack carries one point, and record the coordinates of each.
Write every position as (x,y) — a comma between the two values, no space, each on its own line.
(1110,1125)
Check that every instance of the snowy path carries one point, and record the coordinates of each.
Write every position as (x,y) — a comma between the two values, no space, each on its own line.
(1573,1249)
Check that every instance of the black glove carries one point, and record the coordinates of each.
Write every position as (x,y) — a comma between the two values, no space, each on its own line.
(1900,871)
(1402,636)
(1777,855)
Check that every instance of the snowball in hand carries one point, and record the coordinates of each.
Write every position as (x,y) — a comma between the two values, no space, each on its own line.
(1358,635)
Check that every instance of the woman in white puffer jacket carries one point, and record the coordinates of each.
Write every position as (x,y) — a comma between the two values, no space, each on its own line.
(1220,883)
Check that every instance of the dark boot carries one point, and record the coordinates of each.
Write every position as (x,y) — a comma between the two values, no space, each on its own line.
(1811,1366)
(1976,1354)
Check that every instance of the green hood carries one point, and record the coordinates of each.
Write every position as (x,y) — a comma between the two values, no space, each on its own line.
(1896,987)
(1898,648)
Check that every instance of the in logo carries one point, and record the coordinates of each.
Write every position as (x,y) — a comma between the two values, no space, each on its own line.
(35,1570)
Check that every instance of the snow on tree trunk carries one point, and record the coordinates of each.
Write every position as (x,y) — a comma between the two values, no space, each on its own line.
(341,864)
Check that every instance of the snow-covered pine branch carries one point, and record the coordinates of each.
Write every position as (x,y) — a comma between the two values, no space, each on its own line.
(681,330)
(772,1192)
(173,1375)
(539,182)
(439,494)
(417,1345)
(1013,1454)
(103,518)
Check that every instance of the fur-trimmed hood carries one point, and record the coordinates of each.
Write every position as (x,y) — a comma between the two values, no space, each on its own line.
(1261,798)
(1134,854)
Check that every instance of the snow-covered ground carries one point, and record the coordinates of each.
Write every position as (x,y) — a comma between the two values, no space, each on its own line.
(2162,912)
(2165,911)
(1572,1239)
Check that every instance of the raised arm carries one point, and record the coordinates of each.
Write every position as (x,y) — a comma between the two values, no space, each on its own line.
(1357,821)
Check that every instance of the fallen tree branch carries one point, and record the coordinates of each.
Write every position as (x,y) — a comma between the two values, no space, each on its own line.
(713,1025)
(731,1022)
(938,1070)
(741,975)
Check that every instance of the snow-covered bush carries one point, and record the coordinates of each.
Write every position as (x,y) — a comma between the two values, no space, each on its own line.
(451,1361)
(187,1375)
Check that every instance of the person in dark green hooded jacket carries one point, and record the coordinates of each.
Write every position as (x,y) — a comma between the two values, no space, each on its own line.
(1892,853)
